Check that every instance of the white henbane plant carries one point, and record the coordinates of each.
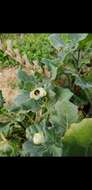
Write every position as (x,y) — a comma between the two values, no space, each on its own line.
(47,117)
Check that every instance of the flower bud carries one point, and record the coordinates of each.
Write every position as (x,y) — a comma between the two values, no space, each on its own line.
(38,138)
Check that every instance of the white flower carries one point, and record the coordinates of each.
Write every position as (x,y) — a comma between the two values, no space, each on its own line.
(37,93)
(38,138)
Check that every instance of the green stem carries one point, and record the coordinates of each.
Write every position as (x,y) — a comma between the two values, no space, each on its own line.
(88,96)
(78,59)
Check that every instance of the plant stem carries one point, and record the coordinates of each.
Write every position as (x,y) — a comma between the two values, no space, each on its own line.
(88,96)
(78,59)
(3,137)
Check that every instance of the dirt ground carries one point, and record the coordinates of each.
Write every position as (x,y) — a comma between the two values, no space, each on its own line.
(8,84)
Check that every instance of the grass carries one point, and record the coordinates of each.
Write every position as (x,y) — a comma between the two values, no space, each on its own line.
(35,46)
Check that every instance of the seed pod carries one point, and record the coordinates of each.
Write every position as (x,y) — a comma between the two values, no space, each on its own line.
(38,138)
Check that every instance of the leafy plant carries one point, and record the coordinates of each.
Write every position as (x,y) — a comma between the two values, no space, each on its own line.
(52,114)
(79,136)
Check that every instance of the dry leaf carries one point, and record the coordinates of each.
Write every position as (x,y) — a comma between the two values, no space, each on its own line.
(46,72)
(9,44)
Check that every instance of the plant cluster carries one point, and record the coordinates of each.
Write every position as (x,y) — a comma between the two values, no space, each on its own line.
(52,116)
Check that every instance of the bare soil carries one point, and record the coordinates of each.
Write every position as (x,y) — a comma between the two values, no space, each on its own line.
(8,84)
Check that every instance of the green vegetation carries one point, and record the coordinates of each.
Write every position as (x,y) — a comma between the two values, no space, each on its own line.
(35,46)
(52,115)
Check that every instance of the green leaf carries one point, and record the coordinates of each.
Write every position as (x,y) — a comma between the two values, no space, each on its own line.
(79,135)
(20,117)
(76,37)
(88,77)
(62,54)
(22,98)
(22,75)
(52,67)
(71,45)
(29,149)
(29,133)
(68,50)
(56,41)
(32,105)
(6,129)
(47,62)
(14,108)
(35,128)
(83,83)
(86,40)
(1,99)
(84,61)
(62,94)
(65,94)
(55,150)
(29,85)
(5,149)
(64,112)
(51,96)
